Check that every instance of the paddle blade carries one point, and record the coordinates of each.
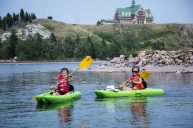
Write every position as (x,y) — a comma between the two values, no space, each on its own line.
(86,62)
(145,74)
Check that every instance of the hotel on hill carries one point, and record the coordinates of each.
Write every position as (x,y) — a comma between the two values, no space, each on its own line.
(135,14)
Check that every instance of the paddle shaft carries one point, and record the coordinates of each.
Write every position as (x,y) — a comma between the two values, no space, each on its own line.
(74,71)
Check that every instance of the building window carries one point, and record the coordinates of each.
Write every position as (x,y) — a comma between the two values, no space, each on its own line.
(123,13)
(140,21)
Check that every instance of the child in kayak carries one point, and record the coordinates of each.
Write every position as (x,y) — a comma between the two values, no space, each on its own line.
(135,79)
(63,86)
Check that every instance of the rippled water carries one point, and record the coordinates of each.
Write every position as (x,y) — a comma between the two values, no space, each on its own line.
(19,83)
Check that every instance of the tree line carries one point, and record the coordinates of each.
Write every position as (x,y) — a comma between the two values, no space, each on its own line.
(36,48)
(11,20)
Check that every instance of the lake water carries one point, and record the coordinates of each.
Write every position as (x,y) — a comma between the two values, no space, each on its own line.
(19,83)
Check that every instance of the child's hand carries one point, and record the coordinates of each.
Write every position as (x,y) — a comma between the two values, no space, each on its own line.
(52,87)
(70,78)
(124,83)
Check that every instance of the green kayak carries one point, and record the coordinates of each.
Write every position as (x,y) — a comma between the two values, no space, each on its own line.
(137,93)
(47,98)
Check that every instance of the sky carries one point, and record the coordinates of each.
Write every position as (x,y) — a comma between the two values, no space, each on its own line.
(90,11)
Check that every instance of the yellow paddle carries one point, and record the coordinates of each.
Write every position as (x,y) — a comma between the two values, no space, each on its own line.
(143,74)
(86,62)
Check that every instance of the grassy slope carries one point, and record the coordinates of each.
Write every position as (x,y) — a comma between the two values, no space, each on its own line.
(174,36)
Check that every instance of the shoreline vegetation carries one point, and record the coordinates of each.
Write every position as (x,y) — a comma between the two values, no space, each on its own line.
(39,61)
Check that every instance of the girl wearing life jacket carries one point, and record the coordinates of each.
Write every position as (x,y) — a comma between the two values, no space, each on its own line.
(134,79)
(63,86)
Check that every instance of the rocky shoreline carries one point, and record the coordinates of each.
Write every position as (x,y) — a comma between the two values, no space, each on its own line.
(156,61)
(166,69)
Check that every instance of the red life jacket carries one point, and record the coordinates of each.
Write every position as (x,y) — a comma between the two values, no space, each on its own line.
(136,78)
(63,85)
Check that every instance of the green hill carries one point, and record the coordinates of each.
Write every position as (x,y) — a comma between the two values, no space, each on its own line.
(77,41)
(156,36)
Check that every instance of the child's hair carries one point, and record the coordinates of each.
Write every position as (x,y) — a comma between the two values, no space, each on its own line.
(135,67)
(64,69)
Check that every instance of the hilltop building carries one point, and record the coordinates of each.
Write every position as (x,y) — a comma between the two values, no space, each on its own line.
(135,14)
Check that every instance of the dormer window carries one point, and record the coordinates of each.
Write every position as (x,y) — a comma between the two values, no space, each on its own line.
(123,14)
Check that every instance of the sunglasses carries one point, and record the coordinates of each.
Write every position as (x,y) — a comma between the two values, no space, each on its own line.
(135,72)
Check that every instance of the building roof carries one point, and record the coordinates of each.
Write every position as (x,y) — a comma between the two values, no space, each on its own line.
(128,11)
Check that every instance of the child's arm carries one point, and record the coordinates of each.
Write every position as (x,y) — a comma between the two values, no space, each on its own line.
(55,87)
(137,82)
(128,81)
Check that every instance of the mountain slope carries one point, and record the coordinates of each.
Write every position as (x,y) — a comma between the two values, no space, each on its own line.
(172,36)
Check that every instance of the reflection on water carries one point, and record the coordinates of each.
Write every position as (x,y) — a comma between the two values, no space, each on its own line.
(134,107)
(64,111)
(18,84)
(138,110)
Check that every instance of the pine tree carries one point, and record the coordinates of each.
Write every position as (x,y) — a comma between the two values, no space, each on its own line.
(53,37)
(0,44)
(69,47)
(33,16)
(26,17)
(0,23)
(14,19)
(17,19)
(9,20)
(50,17)
(92,48)
(98,23)
(12,45)
(22,15)
(30,20)
(4,25)
(77,46)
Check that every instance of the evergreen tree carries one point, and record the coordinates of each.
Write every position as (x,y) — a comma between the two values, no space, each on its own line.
(9,20)
(17,19)
(77,46)
(14,19)
(12,45)
(50,17)
(38,37)
(22,15)
(98,23)
(30,20)
(0,44)
(26,17)
(33,16)
(53,37)
(1,23)
(69,47)
(4,25)
(103,50)
(92,48)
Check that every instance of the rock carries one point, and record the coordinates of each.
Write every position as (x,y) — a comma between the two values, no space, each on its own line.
(157,58)
(30,29)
